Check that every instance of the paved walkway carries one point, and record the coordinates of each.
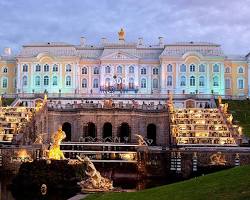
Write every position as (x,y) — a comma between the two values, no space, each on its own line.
(78,197)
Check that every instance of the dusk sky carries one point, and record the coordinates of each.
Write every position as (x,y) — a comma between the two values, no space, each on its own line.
(226,22)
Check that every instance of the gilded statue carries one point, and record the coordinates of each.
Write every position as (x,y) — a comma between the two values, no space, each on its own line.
(225,108)
(174,131)
(121,34)
(230,119)
(94,181)
(217,159)
(240,130)
(55,153)
(220,100)
(140,140)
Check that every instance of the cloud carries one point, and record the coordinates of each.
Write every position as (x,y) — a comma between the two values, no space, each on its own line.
(221,21)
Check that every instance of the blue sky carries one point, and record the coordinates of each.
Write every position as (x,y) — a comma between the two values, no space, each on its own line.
(225,22)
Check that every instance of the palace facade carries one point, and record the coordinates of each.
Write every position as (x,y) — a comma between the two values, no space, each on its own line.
(124,67)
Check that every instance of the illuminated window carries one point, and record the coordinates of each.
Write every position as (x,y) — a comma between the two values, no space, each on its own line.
(46,80)
(46,67)
(169,81)
(37,81)
(84,83)
(192,81)
(143,83)
(68,81)
(183,68)
(183,81)
(84,70)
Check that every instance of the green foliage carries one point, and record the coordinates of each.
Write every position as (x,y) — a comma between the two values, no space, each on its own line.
(7,101)
(232,184)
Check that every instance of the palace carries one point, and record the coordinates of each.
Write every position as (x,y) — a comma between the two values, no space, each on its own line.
(124,68)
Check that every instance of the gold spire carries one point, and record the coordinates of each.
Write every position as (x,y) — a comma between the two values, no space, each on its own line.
(121,34)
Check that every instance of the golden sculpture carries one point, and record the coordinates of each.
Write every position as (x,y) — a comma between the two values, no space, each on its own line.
(217,159)
(225,108)
(240,130)
(121,34)
(174,131)
(220,100)
(55,153)
(140,140)
(94,182)
(230,119)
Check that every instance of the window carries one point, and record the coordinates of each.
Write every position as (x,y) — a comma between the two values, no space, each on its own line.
(37,81)
(131,69)
(192,68)
(107,70)
(201,81)
(5,83)
(68,68)
(84,70)
(96,83)
(131,83)
(46,67)
(228,70)
(216,68)
(192,81)
(55,68)
(38,68)
(143,70)
(183,81)
(169,81)
(143,83)
(96,70)
(183,68)
(215,81)
(68,81)
(169,68)
(84,83)
(240,70)
(155,83)
(5,70)
(155,71)
(201,68)
(227,83)
(25,68)
(46,81)
(54,81)
(119,70)
(25,81)
(240,83)
(107,82)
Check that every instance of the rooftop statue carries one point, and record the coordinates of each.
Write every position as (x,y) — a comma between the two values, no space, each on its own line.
(94,181)
(55,153)
(121,34)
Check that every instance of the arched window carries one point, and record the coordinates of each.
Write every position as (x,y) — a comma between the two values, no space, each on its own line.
(68,68)
(25,81)
(201,81)
(131,69)
(131,83)
(84,70)
(46,80)
(5,82)
(155,71)
(192,81)
(228,70)
(216,68)
(202,68)
(227,83)
(169,81)
(183,81)
(143,83)
(169,68)
(240,83)
(192,68)
(119,69)
(107,82)
(5,70)
(240,70)
(143,70)
(54,81)
(84,83)
(183,68)
(155,83)
(96,70)
(215,81)
(96,83)
(55,68)
(107,69)
(68,81)
(25,68)
(46,67)
(37,81)
(38,68)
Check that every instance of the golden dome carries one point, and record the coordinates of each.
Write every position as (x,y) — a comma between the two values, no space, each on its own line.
(121,34)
